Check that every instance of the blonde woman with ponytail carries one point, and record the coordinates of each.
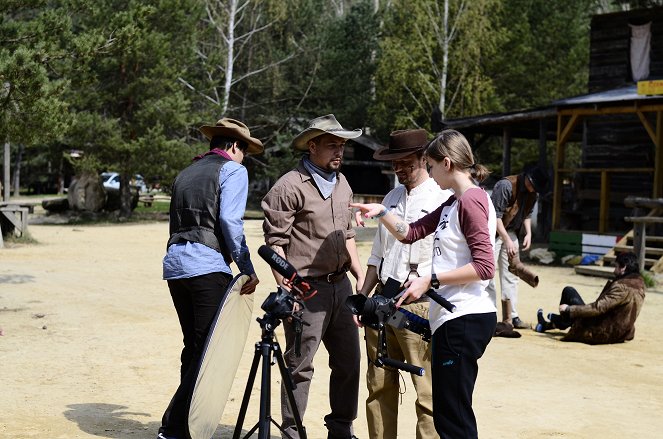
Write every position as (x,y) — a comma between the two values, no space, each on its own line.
(464,230)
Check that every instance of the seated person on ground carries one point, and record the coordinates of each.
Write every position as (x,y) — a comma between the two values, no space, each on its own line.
(609,319)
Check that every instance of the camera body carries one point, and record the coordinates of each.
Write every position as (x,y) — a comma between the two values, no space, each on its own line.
(372,310)
(378,310)
(279,304)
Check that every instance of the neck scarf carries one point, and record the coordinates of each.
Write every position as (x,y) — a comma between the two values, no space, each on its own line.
(325,181)
(217,151)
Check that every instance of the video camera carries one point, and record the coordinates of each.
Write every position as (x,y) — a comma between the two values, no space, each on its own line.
(379,309)
(280,304)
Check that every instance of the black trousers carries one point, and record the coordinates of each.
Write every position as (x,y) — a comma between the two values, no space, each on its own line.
(196,301)
(570,296)
(457,346)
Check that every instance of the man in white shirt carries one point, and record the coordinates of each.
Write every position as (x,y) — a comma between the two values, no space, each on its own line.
(418,196)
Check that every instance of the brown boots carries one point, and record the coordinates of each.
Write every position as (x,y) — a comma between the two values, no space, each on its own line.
(506,316)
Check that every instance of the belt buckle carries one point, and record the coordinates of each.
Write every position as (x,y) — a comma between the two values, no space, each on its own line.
(329,277)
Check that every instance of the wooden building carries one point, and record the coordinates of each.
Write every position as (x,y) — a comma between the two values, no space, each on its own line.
(369,179)
(619,131)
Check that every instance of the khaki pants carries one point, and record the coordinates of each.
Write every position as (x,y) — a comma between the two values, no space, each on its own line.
(383,382)
(508,280)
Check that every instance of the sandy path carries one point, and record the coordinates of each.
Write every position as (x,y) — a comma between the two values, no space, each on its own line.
(91,349)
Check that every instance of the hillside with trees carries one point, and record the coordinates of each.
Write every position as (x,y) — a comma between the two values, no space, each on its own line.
(125,83)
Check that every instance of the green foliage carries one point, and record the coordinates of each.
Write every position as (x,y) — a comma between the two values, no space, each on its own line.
(34,43)
(649,278)
(278,159)
(409,77)
(545,53)
(128,82)
(346,70)
(131,112)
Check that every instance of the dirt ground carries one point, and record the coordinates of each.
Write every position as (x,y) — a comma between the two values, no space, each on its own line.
(91,350)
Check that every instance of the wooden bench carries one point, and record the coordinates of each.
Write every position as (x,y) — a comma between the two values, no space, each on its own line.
(147,200)
(15,217)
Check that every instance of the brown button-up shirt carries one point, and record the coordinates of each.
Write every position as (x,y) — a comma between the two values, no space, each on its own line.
(311,230)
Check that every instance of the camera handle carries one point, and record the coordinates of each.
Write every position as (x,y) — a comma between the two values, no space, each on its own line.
(298,325)
(383,360)
(444,303)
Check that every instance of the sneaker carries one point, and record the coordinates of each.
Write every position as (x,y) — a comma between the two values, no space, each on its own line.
(519,324)
(540,318)
(162,436)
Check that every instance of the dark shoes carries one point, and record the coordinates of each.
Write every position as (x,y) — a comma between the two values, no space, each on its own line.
(505,329)
(519,324)
(542,325)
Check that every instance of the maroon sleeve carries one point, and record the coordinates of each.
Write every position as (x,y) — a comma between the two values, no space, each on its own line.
(473,211)
(425,225)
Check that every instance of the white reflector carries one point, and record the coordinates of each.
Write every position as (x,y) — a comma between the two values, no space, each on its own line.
(223,351)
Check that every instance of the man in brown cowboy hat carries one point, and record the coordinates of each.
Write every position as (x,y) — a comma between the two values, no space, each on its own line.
(308,221)
(418,195)
(206,235)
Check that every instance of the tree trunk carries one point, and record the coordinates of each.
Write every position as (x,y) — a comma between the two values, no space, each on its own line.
(5,182)
(230,57)
(445,62)
(17,170)
(126,196)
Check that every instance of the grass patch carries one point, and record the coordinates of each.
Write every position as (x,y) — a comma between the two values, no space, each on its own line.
(650,281)
(155,207)
(26,238)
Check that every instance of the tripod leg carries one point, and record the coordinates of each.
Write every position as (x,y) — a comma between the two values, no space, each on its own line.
(265,397)
(247,392)
(289,385)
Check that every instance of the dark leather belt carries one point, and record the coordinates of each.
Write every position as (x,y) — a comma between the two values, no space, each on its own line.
(330,278)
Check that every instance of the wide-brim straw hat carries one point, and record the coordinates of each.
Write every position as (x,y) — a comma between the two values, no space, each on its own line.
(402,143)
(233,129)
(323,125)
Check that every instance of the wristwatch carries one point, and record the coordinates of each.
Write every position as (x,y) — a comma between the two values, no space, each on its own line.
(434,282)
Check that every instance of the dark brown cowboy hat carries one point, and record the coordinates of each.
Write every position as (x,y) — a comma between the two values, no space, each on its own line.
(538,176)
(323,125)
(233,129)
(402,143)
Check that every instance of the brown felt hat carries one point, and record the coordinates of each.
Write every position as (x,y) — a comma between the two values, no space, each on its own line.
(402,143)
(233,129)
(323,125)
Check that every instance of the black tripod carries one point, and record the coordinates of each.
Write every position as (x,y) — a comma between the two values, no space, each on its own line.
(264,349)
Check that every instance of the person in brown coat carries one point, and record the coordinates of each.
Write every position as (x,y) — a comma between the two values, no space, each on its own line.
(611,318)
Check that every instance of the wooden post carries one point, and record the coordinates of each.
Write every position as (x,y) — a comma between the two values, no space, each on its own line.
(543,150)
(658,160)
(639,240)
(605,202)
(557,177)
(5,183)
(506,152)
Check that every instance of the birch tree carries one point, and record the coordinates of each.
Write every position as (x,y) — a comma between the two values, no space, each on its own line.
(233,26)
(433,56)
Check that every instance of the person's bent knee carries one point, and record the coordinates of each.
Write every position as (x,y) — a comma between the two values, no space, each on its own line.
(568,290)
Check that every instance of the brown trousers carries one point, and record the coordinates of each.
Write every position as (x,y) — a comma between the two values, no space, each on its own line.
(330,323)
(383,382)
